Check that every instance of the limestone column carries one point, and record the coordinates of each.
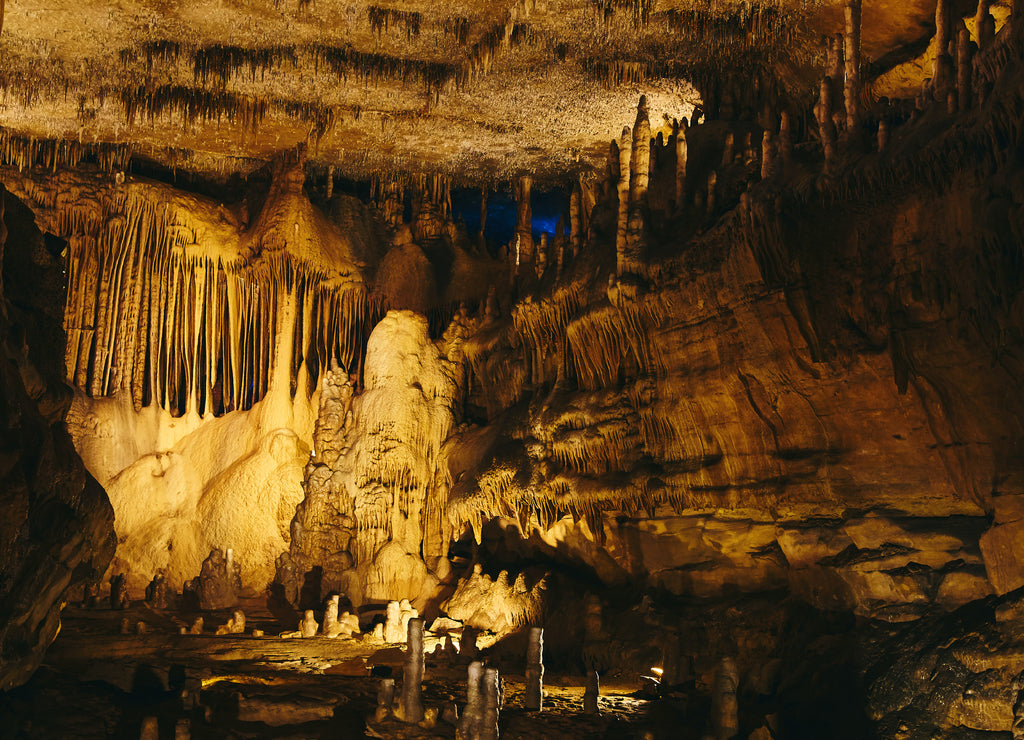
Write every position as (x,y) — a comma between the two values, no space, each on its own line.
(534,691)
(852,89)
(412,678)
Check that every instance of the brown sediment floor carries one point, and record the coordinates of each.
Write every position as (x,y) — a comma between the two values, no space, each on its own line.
(97,682)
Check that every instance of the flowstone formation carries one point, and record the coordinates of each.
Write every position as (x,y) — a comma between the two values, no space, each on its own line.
(197,332)
(373,515)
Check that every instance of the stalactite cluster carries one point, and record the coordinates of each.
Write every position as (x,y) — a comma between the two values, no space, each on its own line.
(223,62)
(26,152)
(381,19)
(163,310)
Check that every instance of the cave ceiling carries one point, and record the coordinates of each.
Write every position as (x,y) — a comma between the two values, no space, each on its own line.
(485,91)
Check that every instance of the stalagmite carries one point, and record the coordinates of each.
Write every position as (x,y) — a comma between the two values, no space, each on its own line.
(712,186)
(681,154)
(533,698)
(412,678)
(622,187)
(308,626)
(542,255)
(852,88)
(385,698)
(592,691)
(524,223)
(473,715)
(150,729)
(183,729)
(631,259)
(835,65)
(119,592)
(639,164)
(964,68)
(393,623)
(725,710)
(483,214)
(767,155)
(331,616)
(943,31)
(467,643)
(489,725)
(786,136)
(729,149)
(883,135)
(197,627)
(985,24)
(827,128)
(575,219)
(329,192)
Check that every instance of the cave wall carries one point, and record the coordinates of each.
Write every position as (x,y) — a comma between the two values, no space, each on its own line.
(57,532)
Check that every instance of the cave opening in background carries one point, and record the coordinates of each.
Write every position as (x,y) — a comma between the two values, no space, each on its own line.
(547,207)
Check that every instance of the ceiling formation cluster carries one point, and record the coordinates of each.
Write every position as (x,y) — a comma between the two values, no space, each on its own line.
(484,91)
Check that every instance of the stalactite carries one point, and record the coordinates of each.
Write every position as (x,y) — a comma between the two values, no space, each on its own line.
(154,315)
(381,19)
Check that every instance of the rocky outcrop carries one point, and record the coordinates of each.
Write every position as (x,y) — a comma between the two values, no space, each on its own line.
(57,525)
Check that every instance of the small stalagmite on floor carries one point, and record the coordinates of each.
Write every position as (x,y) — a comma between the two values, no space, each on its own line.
(592,691)
(412,683)
(724,707)
(385,698)
(534,697)
(473,714)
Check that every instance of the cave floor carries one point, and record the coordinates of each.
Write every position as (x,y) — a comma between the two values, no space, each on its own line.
(99,683)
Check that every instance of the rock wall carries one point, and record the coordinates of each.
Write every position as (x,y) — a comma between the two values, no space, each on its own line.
(57,530)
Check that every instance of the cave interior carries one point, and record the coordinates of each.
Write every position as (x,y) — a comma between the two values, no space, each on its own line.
(520,368)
